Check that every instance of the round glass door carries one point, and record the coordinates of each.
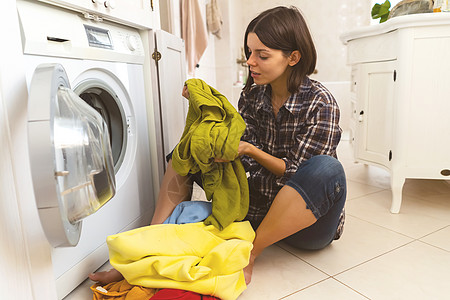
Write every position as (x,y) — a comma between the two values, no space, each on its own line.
(71,159)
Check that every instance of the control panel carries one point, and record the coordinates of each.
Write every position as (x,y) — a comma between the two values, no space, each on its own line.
(76,36)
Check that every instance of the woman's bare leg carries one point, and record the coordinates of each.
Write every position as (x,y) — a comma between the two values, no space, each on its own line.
(287,215)
(174,189)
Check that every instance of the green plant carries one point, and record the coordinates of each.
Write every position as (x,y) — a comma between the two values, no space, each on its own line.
(381,11)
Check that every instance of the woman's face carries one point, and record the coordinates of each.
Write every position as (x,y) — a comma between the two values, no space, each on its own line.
(267,66)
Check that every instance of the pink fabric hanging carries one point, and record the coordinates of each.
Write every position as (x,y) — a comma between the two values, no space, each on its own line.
(193,31)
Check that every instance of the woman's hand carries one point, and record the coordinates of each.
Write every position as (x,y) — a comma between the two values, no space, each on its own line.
(274,164)
(243,149)
(185,92)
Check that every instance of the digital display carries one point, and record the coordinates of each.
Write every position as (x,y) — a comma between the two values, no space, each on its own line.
(98,37)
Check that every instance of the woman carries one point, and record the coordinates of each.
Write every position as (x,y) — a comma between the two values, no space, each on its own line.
(297,186)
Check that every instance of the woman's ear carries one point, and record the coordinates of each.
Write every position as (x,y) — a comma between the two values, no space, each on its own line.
(294,58)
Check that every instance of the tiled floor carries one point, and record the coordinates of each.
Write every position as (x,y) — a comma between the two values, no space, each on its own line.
(380,255)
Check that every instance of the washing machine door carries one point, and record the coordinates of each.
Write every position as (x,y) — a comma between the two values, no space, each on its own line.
(70,155)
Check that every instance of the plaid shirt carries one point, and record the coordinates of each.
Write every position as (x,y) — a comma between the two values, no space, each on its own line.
(306,125)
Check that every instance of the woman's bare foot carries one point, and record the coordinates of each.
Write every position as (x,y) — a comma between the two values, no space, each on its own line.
(106,277)
(248,270)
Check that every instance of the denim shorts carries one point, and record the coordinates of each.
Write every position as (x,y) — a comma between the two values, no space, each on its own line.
(322,184)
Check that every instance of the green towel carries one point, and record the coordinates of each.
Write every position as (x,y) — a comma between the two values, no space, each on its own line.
(213,129)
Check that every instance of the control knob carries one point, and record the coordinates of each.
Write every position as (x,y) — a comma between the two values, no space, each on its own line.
(132,42)
(110,4)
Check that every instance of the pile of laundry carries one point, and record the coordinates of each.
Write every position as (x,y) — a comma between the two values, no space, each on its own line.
(202,248)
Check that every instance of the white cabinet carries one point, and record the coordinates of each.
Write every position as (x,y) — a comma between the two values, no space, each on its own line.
(401,97)
(135,13)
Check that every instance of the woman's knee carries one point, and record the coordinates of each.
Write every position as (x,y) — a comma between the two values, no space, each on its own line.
(321,183)
(321,173)
(323,167)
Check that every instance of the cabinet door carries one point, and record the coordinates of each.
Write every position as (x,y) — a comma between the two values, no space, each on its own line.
(172,75)
(131,12)
(375,96)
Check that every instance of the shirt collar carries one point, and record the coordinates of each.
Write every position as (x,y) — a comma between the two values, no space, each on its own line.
(265,95)
(305,85)
(296,98)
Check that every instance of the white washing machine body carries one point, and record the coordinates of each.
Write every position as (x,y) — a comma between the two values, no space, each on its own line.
(103,63)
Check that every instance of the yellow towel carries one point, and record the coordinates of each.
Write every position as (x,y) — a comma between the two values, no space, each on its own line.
(193,257)
(213,130)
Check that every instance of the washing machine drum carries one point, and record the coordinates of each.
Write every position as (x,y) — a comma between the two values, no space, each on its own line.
(70,155)
(100,96)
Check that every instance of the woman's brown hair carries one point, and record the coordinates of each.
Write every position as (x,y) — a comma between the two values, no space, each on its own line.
(285,29)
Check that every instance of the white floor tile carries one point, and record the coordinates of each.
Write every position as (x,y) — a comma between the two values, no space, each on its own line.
(370,175)
(357,189)
(83,291)
(439,239)
(437,206)
(326,290)
(415,271)
(426,188)
(416,219)
(360,242)
(278,273)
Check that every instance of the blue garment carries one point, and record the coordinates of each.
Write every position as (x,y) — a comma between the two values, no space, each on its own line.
(189,212)
(321,182)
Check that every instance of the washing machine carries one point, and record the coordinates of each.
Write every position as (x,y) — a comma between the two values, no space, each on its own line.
(85,67)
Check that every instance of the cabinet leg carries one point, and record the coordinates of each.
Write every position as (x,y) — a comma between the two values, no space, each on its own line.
(397,188)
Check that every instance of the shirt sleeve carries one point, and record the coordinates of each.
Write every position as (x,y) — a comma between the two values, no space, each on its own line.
(320,135)
(247,110)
